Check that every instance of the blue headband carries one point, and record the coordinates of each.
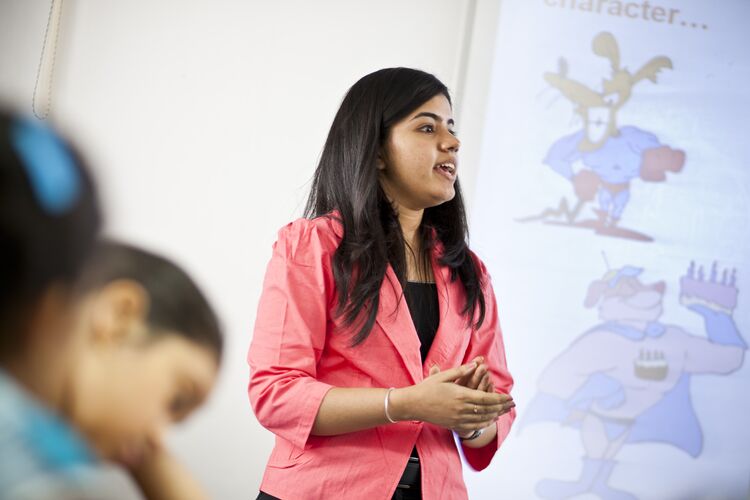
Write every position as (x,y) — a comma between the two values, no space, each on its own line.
(54,176)
(629,271)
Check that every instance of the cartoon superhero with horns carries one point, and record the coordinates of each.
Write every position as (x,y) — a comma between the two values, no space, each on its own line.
(602,159)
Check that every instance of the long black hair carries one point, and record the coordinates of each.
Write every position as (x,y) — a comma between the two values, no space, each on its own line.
(346,180)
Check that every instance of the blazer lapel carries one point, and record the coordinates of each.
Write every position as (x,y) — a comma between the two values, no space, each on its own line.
(395,320)
(452,336)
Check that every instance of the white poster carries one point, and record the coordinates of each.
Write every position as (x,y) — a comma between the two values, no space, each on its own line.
(613,211)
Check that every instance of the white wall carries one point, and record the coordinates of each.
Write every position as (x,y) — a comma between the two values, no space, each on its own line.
(204,120)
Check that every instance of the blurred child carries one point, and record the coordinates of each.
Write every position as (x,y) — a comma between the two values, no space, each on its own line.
(151,347)
(49,218)
(99,350)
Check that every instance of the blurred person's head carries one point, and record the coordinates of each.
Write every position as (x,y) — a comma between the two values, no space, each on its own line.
(49,218)
(392,148)
(151,347)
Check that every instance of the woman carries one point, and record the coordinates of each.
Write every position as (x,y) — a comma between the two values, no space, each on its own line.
(148,351)
(370,305)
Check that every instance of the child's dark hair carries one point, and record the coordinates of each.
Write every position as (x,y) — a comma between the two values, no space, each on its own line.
(49,219)
(176,304)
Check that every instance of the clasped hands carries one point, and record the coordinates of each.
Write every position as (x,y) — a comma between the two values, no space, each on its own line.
(462,399)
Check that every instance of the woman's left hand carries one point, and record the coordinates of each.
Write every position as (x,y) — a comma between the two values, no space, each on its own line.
(480,380)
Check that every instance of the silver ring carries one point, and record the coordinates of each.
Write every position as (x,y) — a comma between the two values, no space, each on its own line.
(476,410)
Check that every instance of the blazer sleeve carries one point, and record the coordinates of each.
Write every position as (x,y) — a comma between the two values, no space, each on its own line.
(487,341)
(290,334)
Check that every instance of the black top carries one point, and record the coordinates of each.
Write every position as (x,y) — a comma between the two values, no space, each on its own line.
(422,299)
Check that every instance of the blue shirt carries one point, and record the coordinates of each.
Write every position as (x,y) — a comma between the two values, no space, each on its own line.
(40,454)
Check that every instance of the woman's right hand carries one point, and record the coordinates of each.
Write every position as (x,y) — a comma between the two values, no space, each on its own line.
(440,401)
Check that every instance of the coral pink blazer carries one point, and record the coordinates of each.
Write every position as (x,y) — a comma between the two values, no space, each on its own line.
(300,350)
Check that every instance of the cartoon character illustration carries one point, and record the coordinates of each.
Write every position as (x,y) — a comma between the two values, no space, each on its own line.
(602,159)
(627,380)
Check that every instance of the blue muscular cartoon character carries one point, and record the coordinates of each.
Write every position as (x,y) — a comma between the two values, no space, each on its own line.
(627,380)
(601,159)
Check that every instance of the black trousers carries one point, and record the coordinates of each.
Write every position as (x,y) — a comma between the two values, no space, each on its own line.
(411,477)
(399,494)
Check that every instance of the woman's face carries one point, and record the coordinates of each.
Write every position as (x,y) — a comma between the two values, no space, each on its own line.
(139,391)
(129,383)
(419,161)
